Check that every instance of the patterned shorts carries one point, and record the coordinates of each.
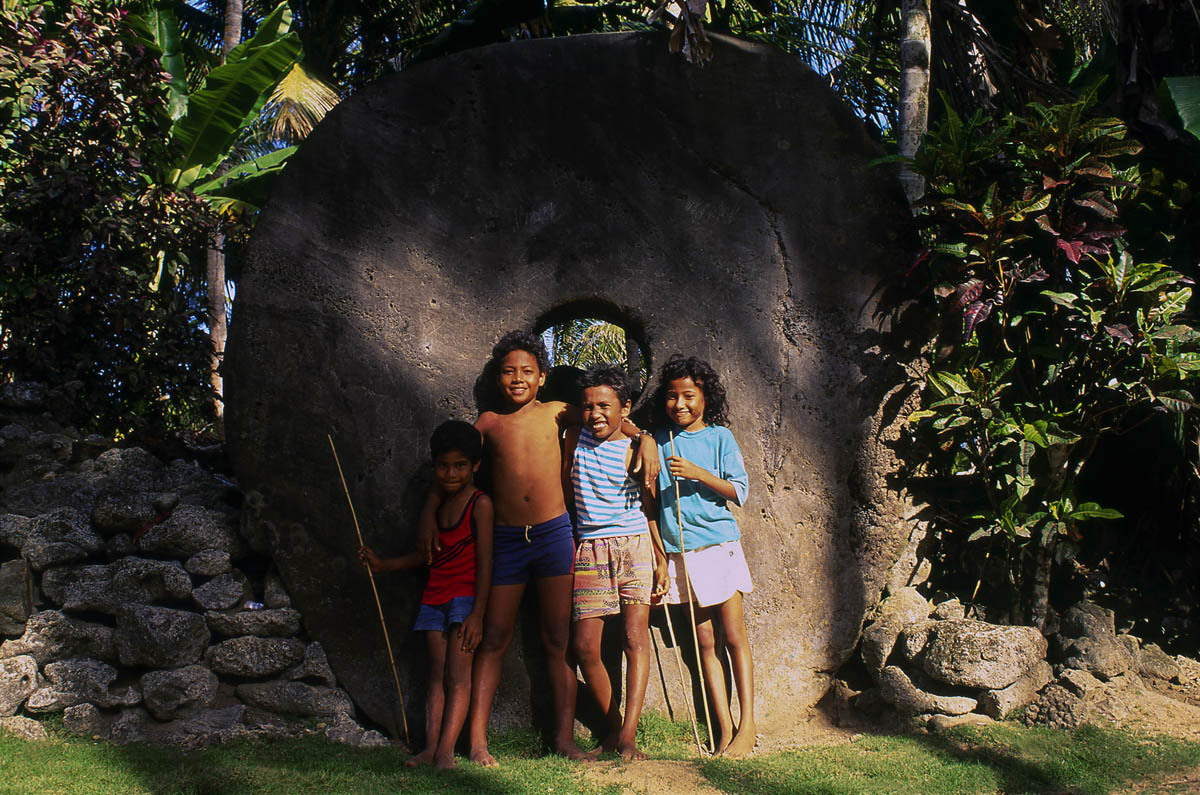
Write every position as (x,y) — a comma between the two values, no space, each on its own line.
(611,572)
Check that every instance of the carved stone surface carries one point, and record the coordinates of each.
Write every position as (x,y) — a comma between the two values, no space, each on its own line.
(728,212)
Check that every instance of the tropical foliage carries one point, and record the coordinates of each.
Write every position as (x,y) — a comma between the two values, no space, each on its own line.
(1054,334)
(87,224)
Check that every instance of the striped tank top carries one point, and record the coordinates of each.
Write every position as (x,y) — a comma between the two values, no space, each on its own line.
(607,500)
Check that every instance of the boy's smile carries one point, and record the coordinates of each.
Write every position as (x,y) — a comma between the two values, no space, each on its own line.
(603,411)
(520,377)
(685,404)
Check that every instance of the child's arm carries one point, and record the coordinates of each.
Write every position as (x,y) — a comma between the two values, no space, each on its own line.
(427,534)
(646,456)
(378,565)
(483,517)
(732,483)
(681,468)
(568,466)
(662,580)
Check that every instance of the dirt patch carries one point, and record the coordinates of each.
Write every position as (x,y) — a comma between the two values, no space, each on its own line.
(657,776)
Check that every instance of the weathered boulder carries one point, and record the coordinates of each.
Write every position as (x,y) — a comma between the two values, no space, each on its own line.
(295,699)
(343,729)
(107,588)
(19,680)
(72,682)
(898,611)
(1157,664)
(84,719)
(314,668)
(167,692)
(209,563)
(393,273)
(129,726)
(255,657)
(16,597)
(1055,707)
(971,653)
(124,512)
(58,537)
(192,529)
(999,703)
(942,723)
(949,609)
(899,690)
(160,637)
(222,592)
(24,728)
(51,635)
(201,728)
(279,623)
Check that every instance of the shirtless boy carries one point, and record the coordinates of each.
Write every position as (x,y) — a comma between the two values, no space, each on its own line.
(533,537)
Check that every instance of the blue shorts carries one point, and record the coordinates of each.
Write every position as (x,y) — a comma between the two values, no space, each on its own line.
(439,618)
(524,552)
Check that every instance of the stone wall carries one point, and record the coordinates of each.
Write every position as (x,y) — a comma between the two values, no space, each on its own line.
(728,212)
(131,604)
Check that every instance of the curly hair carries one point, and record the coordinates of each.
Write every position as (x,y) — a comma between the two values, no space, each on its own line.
(716,408)
(456,435)
(521,341)
(608,375)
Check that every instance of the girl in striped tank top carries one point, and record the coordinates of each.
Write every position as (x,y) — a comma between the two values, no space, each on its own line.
(619,557)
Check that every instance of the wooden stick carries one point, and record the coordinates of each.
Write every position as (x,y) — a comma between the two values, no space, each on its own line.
(712,747)
(683,685)
(378,605)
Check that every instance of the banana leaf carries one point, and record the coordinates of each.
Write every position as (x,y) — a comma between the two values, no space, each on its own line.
(232,96)
(245,186)
(1185,92)
(158,27)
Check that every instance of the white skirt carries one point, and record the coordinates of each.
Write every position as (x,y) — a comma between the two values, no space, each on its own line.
(715,572)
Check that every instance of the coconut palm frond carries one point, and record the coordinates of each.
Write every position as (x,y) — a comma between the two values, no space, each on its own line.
(296,105)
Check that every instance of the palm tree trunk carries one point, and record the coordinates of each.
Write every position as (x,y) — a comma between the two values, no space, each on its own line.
(215,255)
(914,89)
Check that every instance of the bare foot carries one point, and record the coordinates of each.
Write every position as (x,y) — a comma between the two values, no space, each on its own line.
(743,743)
(630,752)
(445,762)
(423,758)
(572,751)
(480,756)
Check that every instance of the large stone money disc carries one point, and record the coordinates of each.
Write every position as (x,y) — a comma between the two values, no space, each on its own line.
(728,212)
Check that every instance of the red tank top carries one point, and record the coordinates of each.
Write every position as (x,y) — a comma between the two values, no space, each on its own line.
(452,573)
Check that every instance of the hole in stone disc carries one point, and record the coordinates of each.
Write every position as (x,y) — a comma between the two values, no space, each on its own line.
(581,336)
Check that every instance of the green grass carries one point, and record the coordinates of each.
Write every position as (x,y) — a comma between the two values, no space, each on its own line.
(1003,758)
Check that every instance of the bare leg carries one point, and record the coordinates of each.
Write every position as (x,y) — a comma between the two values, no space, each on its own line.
(458,698)
(637,674)
(435,642)
(714,678)
(743,674)
(497,634)
(586,644)
(554,594)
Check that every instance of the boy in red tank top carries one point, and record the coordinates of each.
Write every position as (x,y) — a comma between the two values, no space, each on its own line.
(456,595)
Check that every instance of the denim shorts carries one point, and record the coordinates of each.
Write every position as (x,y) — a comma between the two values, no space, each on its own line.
(439,618)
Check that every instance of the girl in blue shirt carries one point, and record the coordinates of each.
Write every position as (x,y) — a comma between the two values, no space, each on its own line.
(708,468)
